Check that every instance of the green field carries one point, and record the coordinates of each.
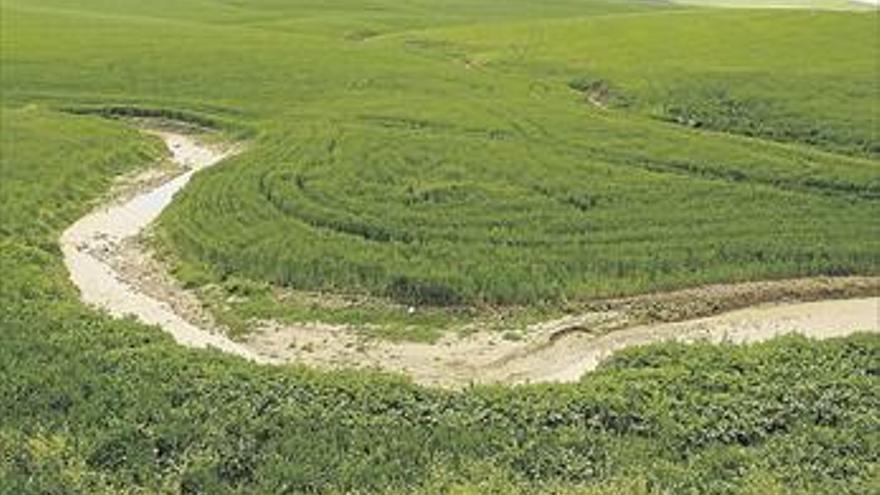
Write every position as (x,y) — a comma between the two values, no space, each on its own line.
(788,4)
(451,159)
(93,405)
(466,154)
(474,174)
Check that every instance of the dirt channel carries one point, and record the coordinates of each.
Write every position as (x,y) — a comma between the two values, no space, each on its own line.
(108,262)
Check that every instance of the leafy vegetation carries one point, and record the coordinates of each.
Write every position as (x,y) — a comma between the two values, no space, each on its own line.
(392,155)
(94,405)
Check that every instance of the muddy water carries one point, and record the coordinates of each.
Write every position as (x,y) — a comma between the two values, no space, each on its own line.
(88,244)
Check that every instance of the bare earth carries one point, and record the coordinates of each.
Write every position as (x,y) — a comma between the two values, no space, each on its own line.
(90,243)
(114,271)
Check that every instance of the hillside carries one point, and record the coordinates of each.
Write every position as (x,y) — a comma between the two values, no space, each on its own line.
(415,170)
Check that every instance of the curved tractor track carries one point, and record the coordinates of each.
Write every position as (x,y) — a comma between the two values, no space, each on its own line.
(109,266)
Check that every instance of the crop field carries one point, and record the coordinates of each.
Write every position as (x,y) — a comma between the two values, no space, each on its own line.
(459,157)
(785,4)
(95,405)
(461,163)
(497,184)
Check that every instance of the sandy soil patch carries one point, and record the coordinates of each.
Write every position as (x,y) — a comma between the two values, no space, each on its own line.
(556,351)
(576,353)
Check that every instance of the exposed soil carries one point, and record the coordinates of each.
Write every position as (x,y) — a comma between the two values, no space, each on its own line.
(568,357)
(564,349)
(708,300)
(105,254)
(92,247)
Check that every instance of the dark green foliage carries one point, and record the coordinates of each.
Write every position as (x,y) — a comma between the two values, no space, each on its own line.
(714,106)
(418,292)
(192,118)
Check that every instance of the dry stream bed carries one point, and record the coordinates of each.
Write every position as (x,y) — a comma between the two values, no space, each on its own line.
(114,271)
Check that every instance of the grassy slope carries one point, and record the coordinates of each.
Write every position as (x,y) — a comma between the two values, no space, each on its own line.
(454,165)
(94,405)
(453,178)
(91,405)
(787,76)
(797,4)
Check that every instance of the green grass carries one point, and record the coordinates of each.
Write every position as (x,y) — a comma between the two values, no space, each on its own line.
(799,4)
(447,161)
(785,76)
(35,205)
(94,405)
(436,153)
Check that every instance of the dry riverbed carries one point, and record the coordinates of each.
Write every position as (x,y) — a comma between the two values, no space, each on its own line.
(108,262)
(92,246)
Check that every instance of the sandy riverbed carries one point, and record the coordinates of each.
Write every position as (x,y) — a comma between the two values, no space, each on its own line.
(89,244)
(116,273)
